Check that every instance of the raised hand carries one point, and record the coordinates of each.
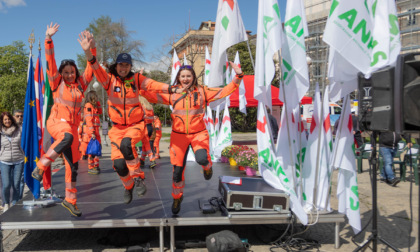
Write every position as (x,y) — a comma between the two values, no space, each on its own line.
(235,67)
(92,42)
(84,41)
(51,30)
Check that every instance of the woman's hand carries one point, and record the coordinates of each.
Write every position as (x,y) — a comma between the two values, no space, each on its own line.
(51,30)
(92,42)
(235,68)
(84,40)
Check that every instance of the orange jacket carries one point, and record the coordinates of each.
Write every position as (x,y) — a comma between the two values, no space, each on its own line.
(189,109)
(158,126)
(148,118)
(91,117)
(124,107)
(67,97)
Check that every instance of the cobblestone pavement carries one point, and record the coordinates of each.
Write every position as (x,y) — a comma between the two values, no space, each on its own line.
(398,214)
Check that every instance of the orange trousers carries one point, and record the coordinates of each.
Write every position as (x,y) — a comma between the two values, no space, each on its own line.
(146,149)
(178,150)
(93,161)
(66,141)
(123,152)
(156,144)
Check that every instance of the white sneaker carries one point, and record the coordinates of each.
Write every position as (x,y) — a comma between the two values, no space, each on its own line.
(6,207)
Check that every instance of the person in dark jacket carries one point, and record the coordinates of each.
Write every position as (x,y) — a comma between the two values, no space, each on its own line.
(388,146)
(274,125)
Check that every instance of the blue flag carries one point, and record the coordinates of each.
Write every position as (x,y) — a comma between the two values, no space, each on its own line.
(30,142)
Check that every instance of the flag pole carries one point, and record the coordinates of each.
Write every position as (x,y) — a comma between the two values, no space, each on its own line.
(287,119)
(250,55)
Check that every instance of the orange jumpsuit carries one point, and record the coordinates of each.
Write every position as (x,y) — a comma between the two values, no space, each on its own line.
(158,128)
(82,139)
(64,120)
(127,116)
(91,118)
(146,148)
(188,128)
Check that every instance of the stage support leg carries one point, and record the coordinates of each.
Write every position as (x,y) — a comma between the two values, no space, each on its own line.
(161,238)
(172,232)
(337,235)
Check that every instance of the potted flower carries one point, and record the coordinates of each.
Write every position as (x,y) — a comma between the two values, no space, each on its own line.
(235,153)
(226,154)
(245,159)
(254,163)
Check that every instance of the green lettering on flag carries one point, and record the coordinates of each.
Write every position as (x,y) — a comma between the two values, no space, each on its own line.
(288,67)
(304,196)
(334,5)
(362,26)
(376,57)
(276,8)
(354,204)
(349,16)
(294,23)
(393,22)
(225,22)
(265,154)
(372,43)
(207,72)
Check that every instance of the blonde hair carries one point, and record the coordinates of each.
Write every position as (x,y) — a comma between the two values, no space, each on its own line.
(145,103)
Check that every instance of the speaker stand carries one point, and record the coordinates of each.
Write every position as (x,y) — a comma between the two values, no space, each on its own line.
(374,237)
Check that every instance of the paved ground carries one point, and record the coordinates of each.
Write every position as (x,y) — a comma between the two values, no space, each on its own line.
(398,214)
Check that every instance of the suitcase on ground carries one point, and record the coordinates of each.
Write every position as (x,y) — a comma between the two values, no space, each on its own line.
(253,194)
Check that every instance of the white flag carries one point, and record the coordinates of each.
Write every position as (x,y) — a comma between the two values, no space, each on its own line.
(185,60)
(294,65)
(207,65)
(269,165)
(363,33)
(269,36)
(309,165)
(242,98)
(175,67)
(225,136)
(229,30)
(343,159)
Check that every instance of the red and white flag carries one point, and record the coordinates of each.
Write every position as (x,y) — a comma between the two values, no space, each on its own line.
(343,159)
(269,36)
(175,67)
(229,30)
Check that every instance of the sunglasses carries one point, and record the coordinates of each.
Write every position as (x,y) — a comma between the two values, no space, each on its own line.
(185,67)
(19,116)
(66,61)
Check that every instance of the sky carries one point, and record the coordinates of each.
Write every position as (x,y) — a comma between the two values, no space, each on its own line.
(154,22)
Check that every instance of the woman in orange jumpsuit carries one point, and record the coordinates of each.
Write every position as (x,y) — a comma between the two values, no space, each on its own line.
(188,127)
(146,145)
(123,87)
(158,128)
(83,141)
(92,110)
(67,87)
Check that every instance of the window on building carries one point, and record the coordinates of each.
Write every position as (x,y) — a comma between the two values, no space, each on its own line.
(411,17)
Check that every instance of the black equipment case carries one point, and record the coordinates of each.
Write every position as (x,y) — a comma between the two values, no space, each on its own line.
(253,194)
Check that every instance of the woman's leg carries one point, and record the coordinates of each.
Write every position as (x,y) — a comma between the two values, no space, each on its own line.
(17,175)
(6,178)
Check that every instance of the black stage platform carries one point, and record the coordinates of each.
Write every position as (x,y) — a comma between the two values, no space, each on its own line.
(100,198)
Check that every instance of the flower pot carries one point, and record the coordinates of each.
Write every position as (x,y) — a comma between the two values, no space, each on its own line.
(232,162)
(241,168)
(250,172)
(224,159)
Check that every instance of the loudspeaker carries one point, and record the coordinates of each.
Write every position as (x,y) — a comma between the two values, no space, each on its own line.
(407,93)
(390,99)
(376,98)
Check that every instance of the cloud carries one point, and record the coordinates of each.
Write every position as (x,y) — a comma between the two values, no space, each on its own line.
(5,4)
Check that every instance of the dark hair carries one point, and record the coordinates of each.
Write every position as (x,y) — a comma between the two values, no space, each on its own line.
(65,63)
(113,70)
(189,68)
(3,114)
(18,111)
(92,98)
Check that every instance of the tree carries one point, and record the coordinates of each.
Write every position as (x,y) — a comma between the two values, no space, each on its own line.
(13,76)
(112,38)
